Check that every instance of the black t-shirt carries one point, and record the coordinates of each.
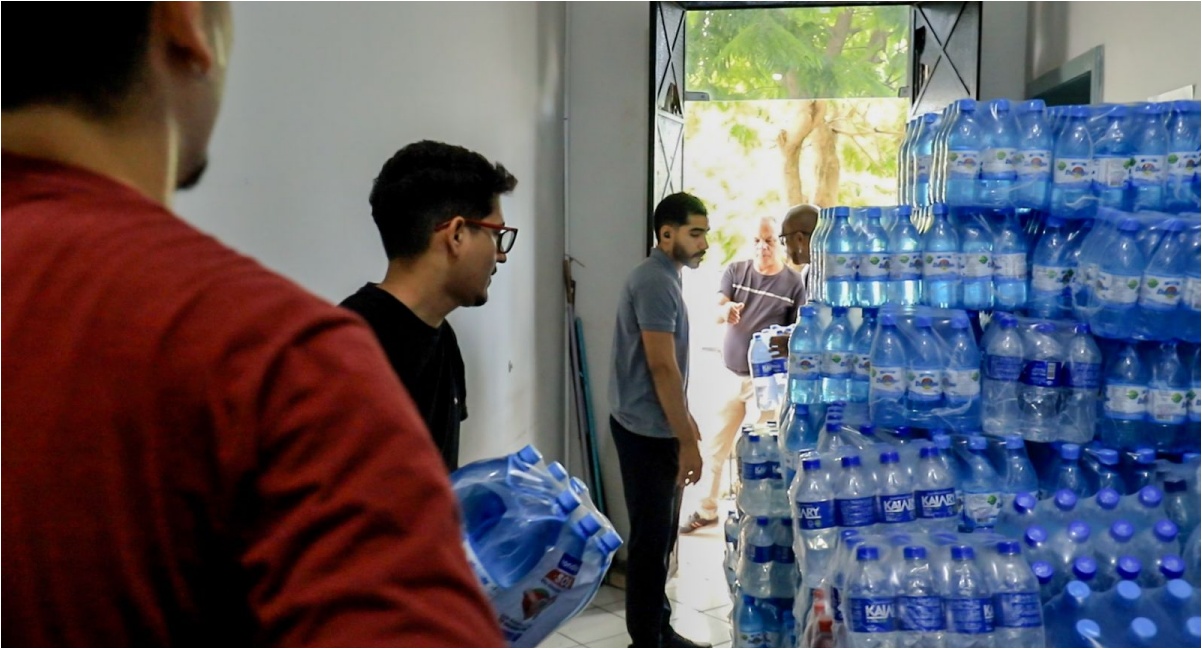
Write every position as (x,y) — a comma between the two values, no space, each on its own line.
(427,360)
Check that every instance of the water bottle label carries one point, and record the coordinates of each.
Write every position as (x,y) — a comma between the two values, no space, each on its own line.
(1167,405)
(756,470)
(1112,172)
(1128,402)
(1086,376)
(905,265)
(774,470)
(1160,292)
(784,554)
(764,369)
(936,265)
(1195,405)
(1010,265)
(836,604)
(924,385)
(981,510)
(804,366)
(1191,294)
(922,170)
(816,515)
(971,615)
(1072,171)
(861,365)
(920,613)
(888,381)
(855,512)
(963,163)
(1034,163)
(1043,374)
(1003,368)
(936,503)
(961,385)
(760,553)
(1018,610)
(874,265)
(836,364)
(1148,170)
(978,264)
(1182,164)
(871,614)
(1050,279)
(841,265)
(753,638)
(998,164)
(898,508)
(1117,289)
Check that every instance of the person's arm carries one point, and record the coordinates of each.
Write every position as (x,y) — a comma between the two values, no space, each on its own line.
(728,310)
(660,347)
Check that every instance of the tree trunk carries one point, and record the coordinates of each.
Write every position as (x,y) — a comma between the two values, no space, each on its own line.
(826,153)
(810,114)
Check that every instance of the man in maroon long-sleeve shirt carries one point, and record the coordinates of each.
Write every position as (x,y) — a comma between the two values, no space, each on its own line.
(195,450)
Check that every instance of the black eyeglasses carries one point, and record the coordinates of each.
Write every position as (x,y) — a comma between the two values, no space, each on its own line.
(506,235)
(784,238)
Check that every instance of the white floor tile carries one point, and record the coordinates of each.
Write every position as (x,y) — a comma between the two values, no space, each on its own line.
(608,595)
(592,625)
(700,627)
(620,640)
(557,640)
(617,608)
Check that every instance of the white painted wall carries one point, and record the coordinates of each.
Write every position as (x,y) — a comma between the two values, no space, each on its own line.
(1149,47)
(321,94)
(1003,50)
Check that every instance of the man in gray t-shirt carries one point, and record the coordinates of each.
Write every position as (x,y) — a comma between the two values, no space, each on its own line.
(655,436)
(754,294)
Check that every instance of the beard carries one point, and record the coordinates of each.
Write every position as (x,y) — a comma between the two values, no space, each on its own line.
(193,177)
(682,256)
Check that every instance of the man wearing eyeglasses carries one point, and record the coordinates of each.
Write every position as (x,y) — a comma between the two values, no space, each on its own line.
(438,210)
(754,294)
(795,232)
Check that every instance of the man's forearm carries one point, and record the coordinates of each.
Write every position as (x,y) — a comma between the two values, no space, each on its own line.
(669,389)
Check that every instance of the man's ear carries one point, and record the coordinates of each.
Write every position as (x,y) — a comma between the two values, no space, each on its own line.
(184,28)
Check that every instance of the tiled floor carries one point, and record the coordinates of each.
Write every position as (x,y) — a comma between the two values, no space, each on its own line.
(700,601)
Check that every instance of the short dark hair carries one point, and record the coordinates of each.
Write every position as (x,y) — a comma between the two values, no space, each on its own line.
(674,210)
(83,54)
(427,183)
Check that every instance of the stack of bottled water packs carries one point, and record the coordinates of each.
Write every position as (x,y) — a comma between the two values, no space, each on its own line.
(538,545)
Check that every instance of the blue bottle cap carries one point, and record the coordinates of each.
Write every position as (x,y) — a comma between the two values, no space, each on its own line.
(922,321)
(1194,625)
(869,312)
(1071,452)
(928,451)
(888,320)
(1025,502)
(557,471)
(929,118)
(1107,498)
(763,521)
(1179,588)
(611,541)
(1150,497)
(904,432)
(1151,108)
(1108,456)
(872,213)
(814,464)
(1045,327)
(1077,111)
(914,552)
(900,539)
(976,443)
(868,430)
(748,600)
(567,501)
(529,454)
(589,525)
(1078,532)
(1014,442)
(867,553)
(1008,547)
(1007,322)
(1165,530)
(801,409)
(966,105)
(850,461)
(1174,486)
(842,210)
(1078,590)
(808,311)
(848,534)
(833,426)
(1081,328)
(890,457)
(1172,566)
(1085,568)
(1089,632)
(905,211)
(1128,591)
(942,441)
(959,321)
(1122,531)
(1117,111)
(1143,629)
(839,311)
(1043,571)
(1065,500)
(939,209)
(754,438)
(1128,567)
(1000,104)
(963,553)
(1128,225)
(1032,106)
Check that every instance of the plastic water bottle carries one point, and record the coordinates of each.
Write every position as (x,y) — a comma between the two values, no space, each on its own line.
(1111,546)
(798,436)
(1040,387)
(756,491)
(935,493)
(1181,181)
(905,260)
(1017,610)
(1018,514)
(1142,472)
(873,277)
(939,163)
(1168,403)
(763,367)
(923,152)
(755,568)
(1150,171)
(1009,264)
(1162,285)
(871,614)
(1068,473)
(962,376)
(861,358)
(1180,506)
(888,374)
(814,498)
(924,373)
(999,155)
(963,161)
(1153,545)
(1060,508)
(1076,599)
(1050,272)
(1105,470)
(1070,543)
(1112,151)
(842,260)
(783,576)
(976,248)
(895,494)
(1126,400)
(805,358)
(982,489)
(1190,313)
(969,605)
(836,357)
(1003,366)
(1019,475)
(1083,380)
(855,494)
(750,626)
(1034,183)
(906,162)
(1117,290)
(1072,166)
(1143,508)
(921,619)
(941,262)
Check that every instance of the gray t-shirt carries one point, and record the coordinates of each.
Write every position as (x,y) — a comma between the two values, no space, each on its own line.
(651,301)
(767,299)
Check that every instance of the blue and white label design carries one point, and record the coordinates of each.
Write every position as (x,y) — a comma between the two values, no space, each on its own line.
(756,471)
(805,366)
(1149,170)
(978,265)
(922,168)
(818,515)
(897,508)
(924,384)
(760,553)
(855,512)
(1034,164)
(1084,376)
(836,364)
(920,613)
(1117,290)
(969,615)
(888,381)
(1074,171)
(940,265)
(1017,610)
(1195,404)
(874,265)
(1112,172)
(1043,374)
(1003,368)
(1191,294)
(1125,401)
(966,162)
(905,265)
(999,163)
(936,503)
(1010,266)
(871,614)
(1167,406)
(1182,165)
(767,368)
(861,366)
(842,265)
(1160,292)
(1050,279)
(961,385)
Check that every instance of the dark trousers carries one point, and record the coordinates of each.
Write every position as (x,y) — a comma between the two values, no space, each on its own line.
(649,466)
